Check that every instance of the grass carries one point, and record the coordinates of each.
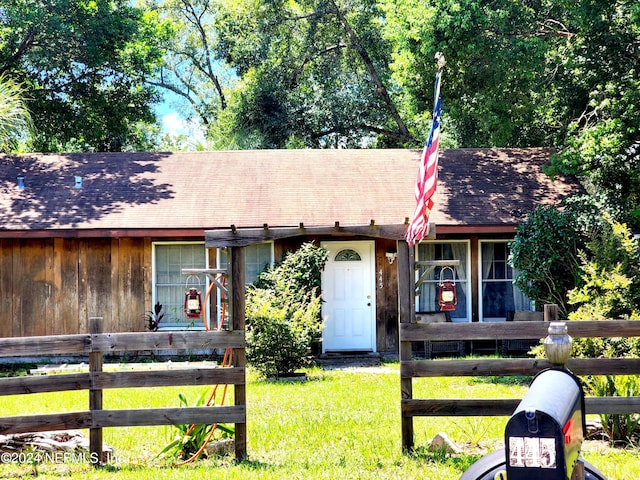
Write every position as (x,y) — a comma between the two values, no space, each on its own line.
(338,424)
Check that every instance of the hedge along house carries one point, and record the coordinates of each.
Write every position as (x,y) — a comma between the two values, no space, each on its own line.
(108,235)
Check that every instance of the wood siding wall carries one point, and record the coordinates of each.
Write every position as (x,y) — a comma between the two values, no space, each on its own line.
(386,298)
(52,286)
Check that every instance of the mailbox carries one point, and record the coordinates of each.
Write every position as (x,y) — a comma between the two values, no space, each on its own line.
(544,435)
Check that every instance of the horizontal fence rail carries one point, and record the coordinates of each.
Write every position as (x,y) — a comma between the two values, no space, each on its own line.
(130,379)
(80,344)
(515,366)
(96,345)
(515,330)
(136,417)
(503,407)
(411,368)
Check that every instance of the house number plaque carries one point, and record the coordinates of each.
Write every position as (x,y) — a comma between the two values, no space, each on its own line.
(532,452)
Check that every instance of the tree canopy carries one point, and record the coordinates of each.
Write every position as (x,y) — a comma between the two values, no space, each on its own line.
(84,65)
(602,64)
(192,68)
(314,74)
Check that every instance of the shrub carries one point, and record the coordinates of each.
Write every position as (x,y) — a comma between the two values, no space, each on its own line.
(613,347)
(619,428)
(283,312)
(554,247)
(545,255)
(610,276)
(280,334)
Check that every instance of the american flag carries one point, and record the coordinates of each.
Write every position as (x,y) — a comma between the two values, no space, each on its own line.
(428,171)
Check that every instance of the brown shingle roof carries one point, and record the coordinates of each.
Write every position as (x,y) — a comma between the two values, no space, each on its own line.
(208,190)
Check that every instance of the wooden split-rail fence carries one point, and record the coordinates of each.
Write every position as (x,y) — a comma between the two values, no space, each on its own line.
(411,368)
(96,345)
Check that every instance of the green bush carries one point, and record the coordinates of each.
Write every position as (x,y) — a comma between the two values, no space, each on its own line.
(283,313)
(610,274)
(557,250)
(545,255)
(280,334)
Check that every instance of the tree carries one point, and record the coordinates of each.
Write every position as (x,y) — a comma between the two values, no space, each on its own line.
(501,67)
(83,65)
(359,73)
(15,120)
(314,74)
(601,61)
(192,69)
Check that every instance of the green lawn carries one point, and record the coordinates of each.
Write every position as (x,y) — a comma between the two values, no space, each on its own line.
(338,424)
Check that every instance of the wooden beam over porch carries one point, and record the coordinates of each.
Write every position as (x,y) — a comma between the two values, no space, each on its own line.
(241,237)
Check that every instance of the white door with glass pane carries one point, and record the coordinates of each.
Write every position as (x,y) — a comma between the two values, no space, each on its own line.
(348,292)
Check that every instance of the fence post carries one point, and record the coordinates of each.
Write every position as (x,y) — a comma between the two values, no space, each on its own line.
(406,313)
(96,360)
(237,312)
(551,312)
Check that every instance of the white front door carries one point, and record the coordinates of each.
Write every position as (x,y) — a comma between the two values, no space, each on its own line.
(348,291)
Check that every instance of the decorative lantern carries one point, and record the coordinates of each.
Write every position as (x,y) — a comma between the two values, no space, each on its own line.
(192,303)
(447,298)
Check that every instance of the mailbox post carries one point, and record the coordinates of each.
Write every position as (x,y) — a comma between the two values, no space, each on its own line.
(544,435)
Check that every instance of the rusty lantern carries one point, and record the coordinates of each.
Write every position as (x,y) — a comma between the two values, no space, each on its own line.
(192,303)
(447,298)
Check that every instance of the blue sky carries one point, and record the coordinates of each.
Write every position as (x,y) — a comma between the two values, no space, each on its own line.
(167,113)
(175,124)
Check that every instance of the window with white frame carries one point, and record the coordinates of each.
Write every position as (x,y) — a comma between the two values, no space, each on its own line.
(257,258)
(170,285)
(498,294)
(428,298)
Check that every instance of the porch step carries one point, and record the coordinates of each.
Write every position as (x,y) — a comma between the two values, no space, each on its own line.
(348,359)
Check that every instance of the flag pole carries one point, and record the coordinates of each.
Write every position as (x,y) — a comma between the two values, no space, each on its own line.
(428,168)
(440,62)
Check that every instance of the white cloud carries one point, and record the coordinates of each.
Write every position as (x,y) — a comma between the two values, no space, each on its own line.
(173,124)
(188,134)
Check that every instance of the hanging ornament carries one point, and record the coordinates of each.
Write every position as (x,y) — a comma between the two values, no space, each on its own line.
(447,298)
(192,302)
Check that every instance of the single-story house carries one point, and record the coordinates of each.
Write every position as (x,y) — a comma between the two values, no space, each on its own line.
(108,234)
